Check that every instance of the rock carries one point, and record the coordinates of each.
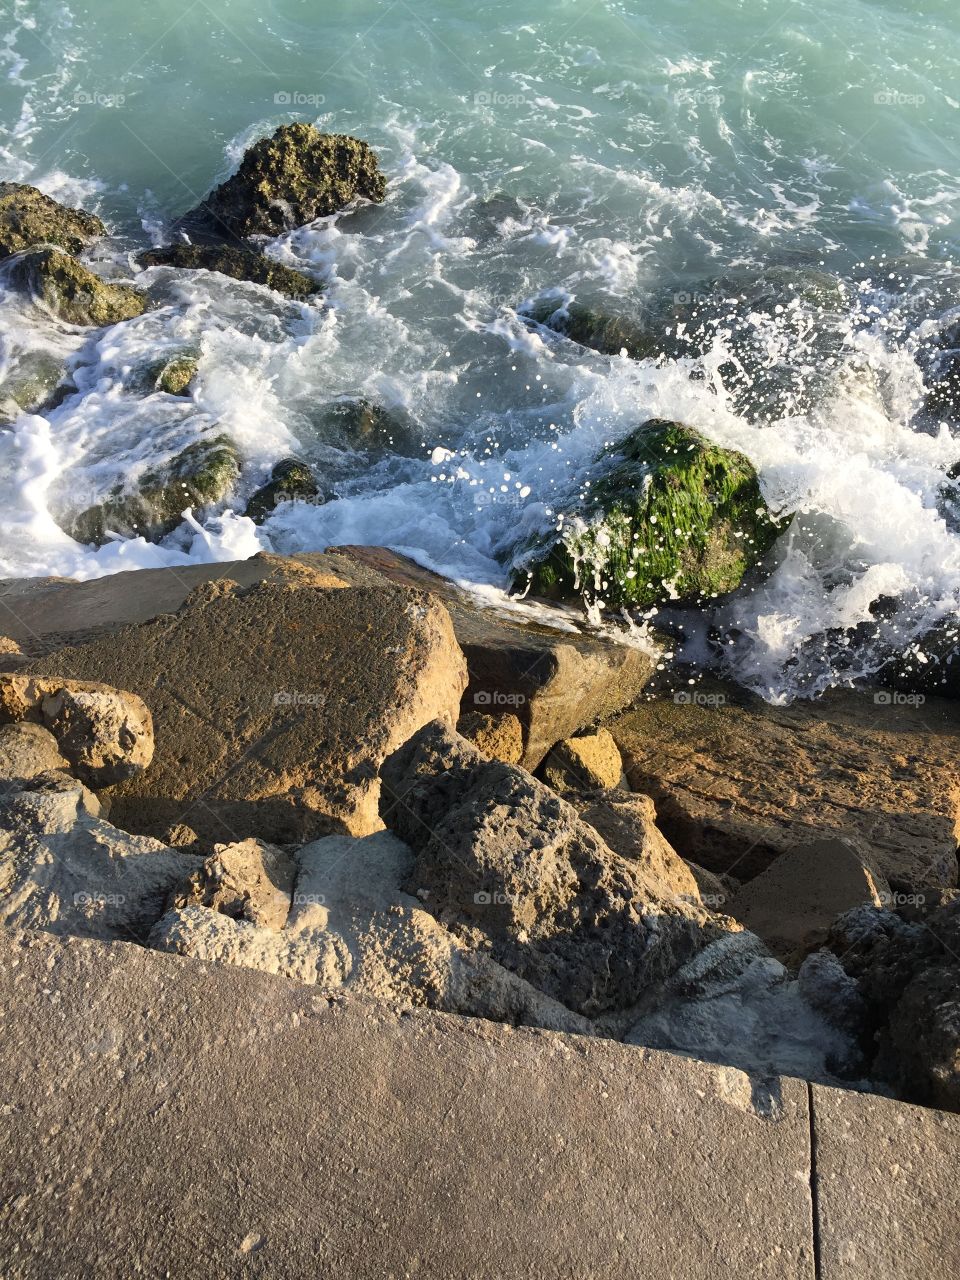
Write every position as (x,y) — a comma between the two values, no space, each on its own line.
(9,648)
(826,987)
(29,218)
(249,880)
(496,737)
(714,892)
(74,294)
(500,857)
(351,928)
(929,665)
(290,481)
(590,762)
(556,682)
(68,872)
(356,423)
(105,733)
(908,976)
(284,181)
(626,822)
(738,782)
(792,904)
(608,334)
(938,357)
(237,263)
(672,517)
(274,705)
(27,750)
(175,376)
(201,475)
(29,385)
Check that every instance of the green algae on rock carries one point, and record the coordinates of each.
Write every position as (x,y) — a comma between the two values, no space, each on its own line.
(608,334)
(74,294)
(286,180)
(238,264)
(290,480)
(30,386)
(199,476)
(358,423)
(29,218)
(175,376)
(676,518)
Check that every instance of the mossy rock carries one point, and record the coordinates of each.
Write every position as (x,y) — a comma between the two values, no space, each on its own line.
(359,424)
(29,218)
(598,330)
(30,386)
(174,377)
(290,480)
(284,181)
(238,264)
(674,518)
(73,293)
(199,476)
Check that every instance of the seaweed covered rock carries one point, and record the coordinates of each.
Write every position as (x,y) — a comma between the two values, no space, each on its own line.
(358,423)
(290,481)
(74,294)
(199,476)
(30,384)
(608,334)
(673,518)
(237,263)
(29,218)
(176,375)
(284,181)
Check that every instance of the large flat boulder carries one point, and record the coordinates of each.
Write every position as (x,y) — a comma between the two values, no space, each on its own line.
(737,782)
(218,1122)
(274,705)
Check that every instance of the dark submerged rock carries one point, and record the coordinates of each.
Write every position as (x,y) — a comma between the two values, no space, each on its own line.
(290,480)
(237,263)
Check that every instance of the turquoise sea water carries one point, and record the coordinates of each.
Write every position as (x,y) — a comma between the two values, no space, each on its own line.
(608,152)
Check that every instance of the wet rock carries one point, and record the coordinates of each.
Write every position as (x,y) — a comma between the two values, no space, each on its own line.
(626,822)
(792,904)
(74,294)
(290,481)
(237,263)
(501,859)
(590,762)
(31,384)
(29,218)
(929,665)
(939,360)
(67,872)
(671,518)
(106,734)
(201,475)
(249,880)
(361,425)
(274,705)
(286,180)
(601,331)
(496,737)
(176,375)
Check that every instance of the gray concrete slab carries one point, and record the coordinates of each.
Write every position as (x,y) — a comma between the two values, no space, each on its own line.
(161,1117)
(887,1188)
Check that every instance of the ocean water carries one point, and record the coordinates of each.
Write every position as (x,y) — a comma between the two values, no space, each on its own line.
(609,153)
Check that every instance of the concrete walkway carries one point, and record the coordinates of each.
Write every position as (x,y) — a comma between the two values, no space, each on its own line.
(160,1117)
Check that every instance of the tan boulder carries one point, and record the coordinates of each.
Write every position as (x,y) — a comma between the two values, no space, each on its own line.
(250,880)
(496,737)
(626,821)
(792,904)
(589,762)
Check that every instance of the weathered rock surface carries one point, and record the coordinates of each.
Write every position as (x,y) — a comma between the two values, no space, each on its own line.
(106,734)
(290,481)
(496,737)
(176,375)
(250,880)
(607,333)
(590,762)
(237,263)
(74,294)
(29,384)
(274,706)
(201,475)
(906,967)
(738,783)
(29,218)
(357,423)
(673,517)
(69,872)
(626,821)
(792,904)
(500,857)
(286,180)
(27,750)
